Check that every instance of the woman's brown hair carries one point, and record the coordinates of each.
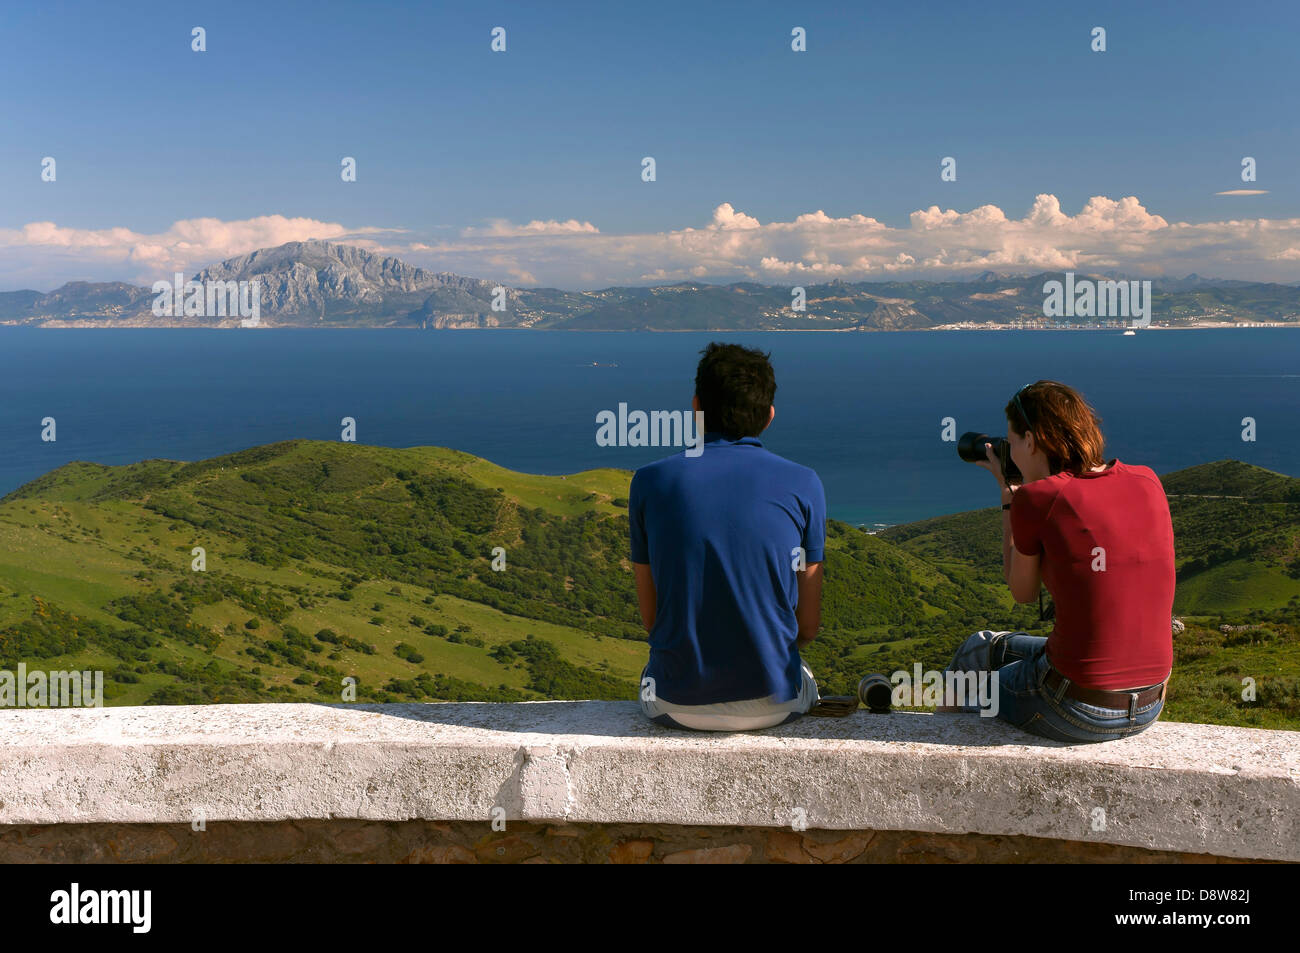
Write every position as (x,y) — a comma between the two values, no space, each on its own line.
(1065,426)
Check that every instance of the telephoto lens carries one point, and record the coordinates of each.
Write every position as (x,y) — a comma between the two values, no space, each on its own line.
(876,693)
(970,447)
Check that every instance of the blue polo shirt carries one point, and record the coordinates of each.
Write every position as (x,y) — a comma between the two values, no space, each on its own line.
(719,532)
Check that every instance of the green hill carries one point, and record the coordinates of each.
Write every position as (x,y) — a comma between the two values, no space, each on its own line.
(1231,478)
(327,561)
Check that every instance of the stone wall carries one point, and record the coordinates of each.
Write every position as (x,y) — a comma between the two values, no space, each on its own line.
(471,842)
(595,781)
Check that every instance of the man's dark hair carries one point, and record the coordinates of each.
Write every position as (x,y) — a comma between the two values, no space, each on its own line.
(736,386)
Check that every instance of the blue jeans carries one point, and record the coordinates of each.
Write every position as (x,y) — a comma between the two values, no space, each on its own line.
(1021,663)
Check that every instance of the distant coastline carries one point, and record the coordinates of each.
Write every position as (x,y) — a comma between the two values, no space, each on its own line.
(324,285)
(270,326)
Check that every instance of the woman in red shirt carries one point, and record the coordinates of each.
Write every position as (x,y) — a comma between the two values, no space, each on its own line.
(1098,535)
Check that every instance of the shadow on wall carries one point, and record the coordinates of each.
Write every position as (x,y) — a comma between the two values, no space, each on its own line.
(625,720)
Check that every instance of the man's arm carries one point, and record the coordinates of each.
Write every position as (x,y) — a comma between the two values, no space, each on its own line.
(809,610)
(646,596)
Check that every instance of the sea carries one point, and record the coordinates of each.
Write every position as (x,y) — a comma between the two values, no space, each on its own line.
(868,411)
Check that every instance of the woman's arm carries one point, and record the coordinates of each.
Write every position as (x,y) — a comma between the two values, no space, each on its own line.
(1021,573)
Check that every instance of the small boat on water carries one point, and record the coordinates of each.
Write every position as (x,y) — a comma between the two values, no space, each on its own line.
(1130,333)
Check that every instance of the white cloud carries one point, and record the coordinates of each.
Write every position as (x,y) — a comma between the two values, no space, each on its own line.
(724,216)
(937,243)
(1105,235)
(503,229)
(186,246)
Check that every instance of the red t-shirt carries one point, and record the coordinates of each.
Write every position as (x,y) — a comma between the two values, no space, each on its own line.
(1107,547)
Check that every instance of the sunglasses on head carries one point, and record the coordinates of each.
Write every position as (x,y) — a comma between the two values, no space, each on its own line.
(1020,407)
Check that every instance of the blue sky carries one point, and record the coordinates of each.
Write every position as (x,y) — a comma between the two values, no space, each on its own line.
(451,138)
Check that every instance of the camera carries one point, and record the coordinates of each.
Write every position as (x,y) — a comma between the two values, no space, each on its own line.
(971,449)
(876,692)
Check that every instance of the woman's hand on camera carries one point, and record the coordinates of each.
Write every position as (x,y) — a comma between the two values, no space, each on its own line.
(994,466)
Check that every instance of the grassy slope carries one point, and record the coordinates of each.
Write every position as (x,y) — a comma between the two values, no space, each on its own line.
(307,536)
(83,536)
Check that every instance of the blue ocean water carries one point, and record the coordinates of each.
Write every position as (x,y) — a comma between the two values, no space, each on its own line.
(864,409)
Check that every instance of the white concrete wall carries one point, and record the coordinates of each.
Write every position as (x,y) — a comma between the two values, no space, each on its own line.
(1231,792)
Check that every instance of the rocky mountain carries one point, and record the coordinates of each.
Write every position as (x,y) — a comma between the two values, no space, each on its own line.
(326,284)
(322,284)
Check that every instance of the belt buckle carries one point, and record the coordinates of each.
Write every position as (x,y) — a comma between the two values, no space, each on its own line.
(1053,674)
(1062,687)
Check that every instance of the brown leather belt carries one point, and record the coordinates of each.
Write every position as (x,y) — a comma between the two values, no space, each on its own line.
(1105,699)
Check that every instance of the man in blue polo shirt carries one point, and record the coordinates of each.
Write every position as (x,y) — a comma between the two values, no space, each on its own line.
(727,548)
